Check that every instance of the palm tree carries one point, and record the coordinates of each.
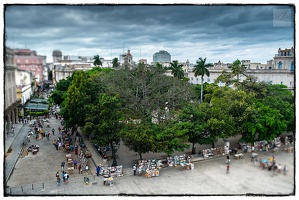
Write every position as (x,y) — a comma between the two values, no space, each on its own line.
(237,69)
(201,70)
(97,61)
(176,69)
(115,63)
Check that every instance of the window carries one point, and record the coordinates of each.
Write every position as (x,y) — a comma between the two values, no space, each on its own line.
(18,61)
(26,60)
(292,66)
(279,65)
(208,80)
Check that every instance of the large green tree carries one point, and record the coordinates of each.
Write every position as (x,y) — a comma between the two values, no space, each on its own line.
(171,137)
(201,69)
(102,121)
(146,90)
(76,99)
(262,123)
(196,115)
(59,94)
(139,137)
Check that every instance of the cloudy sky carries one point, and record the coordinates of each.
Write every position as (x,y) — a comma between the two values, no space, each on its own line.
(218,32)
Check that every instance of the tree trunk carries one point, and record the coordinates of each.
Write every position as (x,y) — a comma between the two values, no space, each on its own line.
(201,91)
(140,156)
(213,145)
(193,149)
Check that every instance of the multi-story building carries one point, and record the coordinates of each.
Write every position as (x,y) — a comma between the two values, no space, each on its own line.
(284,59)
(57,56)
(11,101)
(162,57)
(62,71)
(25,59)
(280,70)
(126,58)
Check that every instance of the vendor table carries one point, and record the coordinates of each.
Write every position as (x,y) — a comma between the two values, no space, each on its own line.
(238,156)
(34,151)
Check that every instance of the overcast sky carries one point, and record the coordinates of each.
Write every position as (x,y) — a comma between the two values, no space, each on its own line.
(224,33)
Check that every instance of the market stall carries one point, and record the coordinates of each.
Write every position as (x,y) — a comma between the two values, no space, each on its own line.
(70,164)
(238,156)
(108,181)
(109,171)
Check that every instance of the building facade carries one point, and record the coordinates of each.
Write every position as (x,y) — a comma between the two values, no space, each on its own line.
(126,58)
(162,57)
(11,101)
(284,59)
(280,70)
(25,59)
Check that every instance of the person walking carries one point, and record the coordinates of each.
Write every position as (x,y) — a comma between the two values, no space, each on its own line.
(79,169)
(134,170)
(75,164)
(53,131)
(227,159)
(66,177)
(58,181)
(63,177)
(62,166)
(227,169)
(98,170)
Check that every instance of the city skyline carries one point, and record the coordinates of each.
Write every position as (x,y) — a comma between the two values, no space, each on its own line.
(218,32)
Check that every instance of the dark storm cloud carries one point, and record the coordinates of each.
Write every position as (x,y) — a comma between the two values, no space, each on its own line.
(187,32)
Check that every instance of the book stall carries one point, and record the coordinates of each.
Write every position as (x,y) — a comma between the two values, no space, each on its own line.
(148,167)
(83,160)
(182,161)
(110,171)
(70,164)
(215,152)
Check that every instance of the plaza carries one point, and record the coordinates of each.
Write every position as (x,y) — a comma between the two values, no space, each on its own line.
(35,174)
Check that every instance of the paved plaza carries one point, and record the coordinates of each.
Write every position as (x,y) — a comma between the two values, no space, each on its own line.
(35,174)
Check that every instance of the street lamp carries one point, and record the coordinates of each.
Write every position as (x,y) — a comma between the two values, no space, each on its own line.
(115,147)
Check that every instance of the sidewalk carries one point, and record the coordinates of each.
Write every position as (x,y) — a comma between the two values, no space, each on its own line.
(13,146)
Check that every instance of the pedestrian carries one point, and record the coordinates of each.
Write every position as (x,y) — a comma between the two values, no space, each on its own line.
(62,166)
(227,159)
(59,129)
(98,170)
(134,170)
(57,174)
(75,164)
(53,131)
(79,169)
(252,148)
(63,177)
(66,177)
(58,181)
(227,169)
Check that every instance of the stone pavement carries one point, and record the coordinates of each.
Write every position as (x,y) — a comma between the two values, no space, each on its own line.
(35,174)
